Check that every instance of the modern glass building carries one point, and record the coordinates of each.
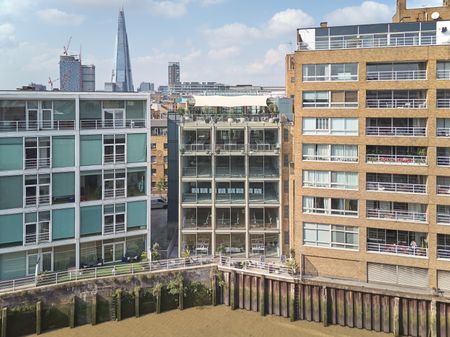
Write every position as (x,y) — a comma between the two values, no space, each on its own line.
(74,180)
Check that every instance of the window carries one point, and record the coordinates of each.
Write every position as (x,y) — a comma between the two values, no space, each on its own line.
(113,252)
(330,126)
(37,227)
(285,160)
(113,114)
(11,153)
(330,152)
(37,190)
(443,70)
(330,99)
(286,134)
(153,159)
(327,179)
(286,186)
(330,72)
(113,149)
(37,152)
(114,219)
(153,172)
(330,206)
(91,185)
(63,187)
(153,145)
(136,182)
(166,145)
(330,236)
(114,184)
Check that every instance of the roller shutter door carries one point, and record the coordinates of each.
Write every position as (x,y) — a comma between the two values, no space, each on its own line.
(382,273)
(397,275)
(444,280)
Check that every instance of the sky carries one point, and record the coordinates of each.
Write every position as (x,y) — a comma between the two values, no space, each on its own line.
(227,41)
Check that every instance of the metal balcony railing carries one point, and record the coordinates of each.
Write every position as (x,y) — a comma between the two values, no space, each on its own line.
(196,147)
(342,186)
(404,75)
(111,158)
(264,147)
(443,103)
(230,198)
(393,159)
(443,132)
(443,218)
(229,224)
(95,124)
(443,189)
(443,161)
(396,131)
(33,163)
(197,198)
(267,199)
(396,187)
(262,172)
(230,148)
(443,74)
(222,171)
(331,105)
(117,228)
(264,224)
(114,193)
(327,211)
(197,172)
(397,249)
(330,158)
(33,200)
(19,126)
(397,215)
(443,253)
(197,223)
(373,103)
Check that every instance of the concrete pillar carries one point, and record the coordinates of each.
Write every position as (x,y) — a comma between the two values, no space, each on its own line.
(137,302)
(262,295)
(4,322)
(233,291)
(38,317)
(119,305)
(94,310)
(433,319)
(73,309)
(292,315)
(324,306)
(396,317)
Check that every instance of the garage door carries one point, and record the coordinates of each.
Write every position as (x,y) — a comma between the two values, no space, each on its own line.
(397,275)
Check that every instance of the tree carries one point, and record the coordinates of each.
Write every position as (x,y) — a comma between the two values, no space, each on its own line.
(156,255)
(161,185)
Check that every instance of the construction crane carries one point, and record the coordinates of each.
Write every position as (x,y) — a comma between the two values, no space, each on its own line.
(51,82)
(66,48)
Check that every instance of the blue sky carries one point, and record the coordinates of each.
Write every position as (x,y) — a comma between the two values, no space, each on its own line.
(228,41)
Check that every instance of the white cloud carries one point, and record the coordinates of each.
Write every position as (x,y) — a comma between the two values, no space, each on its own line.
(288,21)
(274,58)
(14,7)
(58,17)
(210,2)
(224,53)
(232,34)
(166,8)
(7,37)
(367,12)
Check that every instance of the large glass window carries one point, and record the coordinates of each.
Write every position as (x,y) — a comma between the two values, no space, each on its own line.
(330,206)
(136,148)
(91,150)
(330,152)
(91,220)
(91,185)
(11,153)
(63,187)
(327,179)
(136,215)
(330,99)
(37,152)
(330,126)
(13,198)
(63,223)
(331,236)
(11,230)
(330,72)
(113,149)
(114,182)
(114,219)
(37,227)
(37,190)
(63,151)
(12,115)
(136,182)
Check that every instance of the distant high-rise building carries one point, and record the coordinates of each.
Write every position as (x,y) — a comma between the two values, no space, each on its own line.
(122,79)
(73,76)
(146,87)
(174,74)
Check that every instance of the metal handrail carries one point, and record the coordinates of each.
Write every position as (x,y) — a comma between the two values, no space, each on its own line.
(443,132)
(396,187)
(415,103)
(443,189)
(396,159)
(17,126)
(330,158)
(396,215)
(97,124)
(396,131)
(443,161)
(397,249)
(400,75)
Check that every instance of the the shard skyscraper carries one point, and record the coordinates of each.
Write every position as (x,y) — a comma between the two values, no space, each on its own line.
(122,78)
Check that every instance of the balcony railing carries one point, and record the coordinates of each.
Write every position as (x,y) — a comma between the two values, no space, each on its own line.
(443,253)
(396,131)
(230,198)
(443,132)
(396,187)
(340,186)
(267,199)
(111,158)
(16,126)
(443,103)
(396,215)
(443,218)
(373,103)
(228,224)
(443,189)
(264,147)
(331,105)
(443,161)
(230,148)
(197,198)
(114,193)
(261,224)
(35,200)
(114,229)
(196,172)
(193,223)
(404,75)
(443,74)
(196,147)
(364,41)
(341,212)
(397,249)
(33,163)
(392,159)
(230,171)
(95,124)
(330,158)
(34,238)
(262,172)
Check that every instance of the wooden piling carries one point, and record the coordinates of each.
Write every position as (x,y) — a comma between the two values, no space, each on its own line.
(262,295)
(241,286)
(214,290)
(284,300)
(247,292)
(358,308)
(181,297)
(385,314)
(73,312)
(158,301)
(226,289)
(254,294)
(396,317)
(233,291)
(119,305)
(433,329)
(292,315)
(38,317)
(276,297)
(137,302)
(324,306)
(94,310)
(300,300)
(367,299)
(270,298)
(4,322)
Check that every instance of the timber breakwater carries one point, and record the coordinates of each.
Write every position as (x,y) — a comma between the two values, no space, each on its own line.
(269,289)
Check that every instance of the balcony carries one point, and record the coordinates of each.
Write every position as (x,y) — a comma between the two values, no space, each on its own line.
(98,124)
(396,215)
(41,200)
(442,74)
(230,192)
(396,131)
(396,155)
(330,206)
(34,163)
(117,228)
(230,198)
(114,158)
(397,249)
(230,167)
(115,193)
(197,218)
(230,218)
(196,198)
(195,148)
(405,75)
(396,187)
(264,193)
(264,219)
(197,167)
(230,148)
(34,238)
(443,156)
(372,103)
(230,141)
(264,167)
(20,126)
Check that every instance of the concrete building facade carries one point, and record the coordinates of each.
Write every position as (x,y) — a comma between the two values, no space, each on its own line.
(74,180)
(371,145)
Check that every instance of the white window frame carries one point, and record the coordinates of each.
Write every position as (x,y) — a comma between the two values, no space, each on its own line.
(113,244)
(114,146)
(114,194)
(114,214)
(38,186)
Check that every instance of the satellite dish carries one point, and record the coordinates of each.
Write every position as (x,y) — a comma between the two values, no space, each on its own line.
(435,15)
